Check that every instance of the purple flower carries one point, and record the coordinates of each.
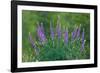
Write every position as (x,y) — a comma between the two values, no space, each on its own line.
(58,32)
(51,31)
(40,33)
(73,35)
(82,47)
(66,37)
(78,31)
(33,44)
(31,40)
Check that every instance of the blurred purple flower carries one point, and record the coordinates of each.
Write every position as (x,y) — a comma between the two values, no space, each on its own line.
(82,47)
(51,31)
(41,34)
(33,44)
(78,31)
(74,35)
(31,40)
(66,37)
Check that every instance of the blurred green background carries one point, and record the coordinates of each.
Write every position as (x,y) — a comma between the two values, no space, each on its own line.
(67,19)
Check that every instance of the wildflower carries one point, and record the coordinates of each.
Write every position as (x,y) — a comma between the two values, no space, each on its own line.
(66,37)
(41,34)
(33,44)
(73,35)
(78,31)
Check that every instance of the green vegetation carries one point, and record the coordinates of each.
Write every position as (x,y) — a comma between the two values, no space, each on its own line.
(55,49)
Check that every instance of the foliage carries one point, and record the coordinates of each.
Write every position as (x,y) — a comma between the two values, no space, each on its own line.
(52,47)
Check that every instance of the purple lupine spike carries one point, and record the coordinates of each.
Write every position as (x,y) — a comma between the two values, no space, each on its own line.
(73,35)
(51,31)
(83,42)
(41,34)
(43,38)
(66,37)
(31,40)
(58,29)
(33,44)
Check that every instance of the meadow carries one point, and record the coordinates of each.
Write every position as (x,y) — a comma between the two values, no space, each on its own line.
(55,36)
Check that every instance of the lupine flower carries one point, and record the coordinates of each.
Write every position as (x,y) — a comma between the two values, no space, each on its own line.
(66,37)
(78,31)
(73,35)
(58,29)
(82,47)
(41,34)
(33,44)
(51,31)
